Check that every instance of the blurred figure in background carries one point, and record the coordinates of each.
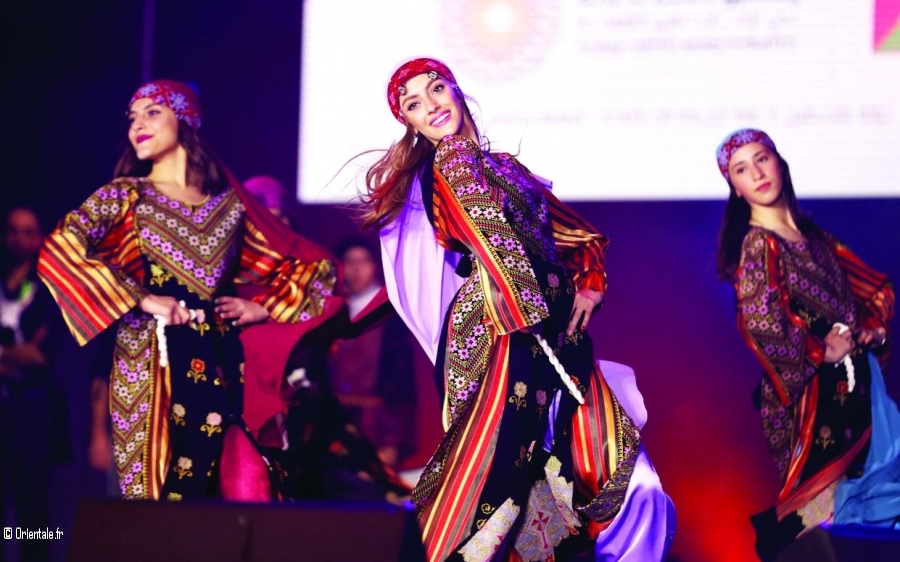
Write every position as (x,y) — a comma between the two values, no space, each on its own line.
(327,456)
(30,426)
(373,375)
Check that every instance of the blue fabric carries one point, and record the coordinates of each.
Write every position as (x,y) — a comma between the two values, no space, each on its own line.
(874,498)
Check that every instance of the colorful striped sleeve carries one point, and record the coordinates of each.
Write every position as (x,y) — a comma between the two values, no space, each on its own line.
(294,290)
(472,213)
(580,246)
(86,262)
(872,292)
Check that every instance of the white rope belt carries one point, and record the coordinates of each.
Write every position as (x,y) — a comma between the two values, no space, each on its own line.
(848,364)
(567,380)
(161,342)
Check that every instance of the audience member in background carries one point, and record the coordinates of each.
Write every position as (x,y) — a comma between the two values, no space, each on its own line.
(373,375)
(31,425)
(327,456)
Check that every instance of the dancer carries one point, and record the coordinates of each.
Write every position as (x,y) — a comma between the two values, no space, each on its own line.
(523,469)
(817,318)
(210,293)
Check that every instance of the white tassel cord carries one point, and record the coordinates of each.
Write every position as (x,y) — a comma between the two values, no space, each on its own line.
(848,364)
(161,342)
(567,380)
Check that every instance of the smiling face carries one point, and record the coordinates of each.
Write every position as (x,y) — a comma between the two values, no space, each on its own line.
(435,109)
(154,129)
(756,175)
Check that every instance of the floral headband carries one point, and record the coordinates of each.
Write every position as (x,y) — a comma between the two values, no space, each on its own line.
(397,84)
(177,96)
(736,140)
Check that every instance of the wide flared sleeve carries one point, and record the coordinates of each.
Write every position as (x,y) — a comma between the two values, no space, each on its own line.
(91,262)
(873,294)
(472,214)
(419,273)
(294,290)
(579,245)
(294,280)
(788,351)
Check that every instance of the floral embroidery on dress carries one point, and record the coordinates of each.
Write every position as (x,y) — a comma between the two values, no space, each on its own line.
(213,424)
(197,370)
(843,389)
(183,468)
(520,389)
(824,438)
(178,413)
(158,275)
(540,397)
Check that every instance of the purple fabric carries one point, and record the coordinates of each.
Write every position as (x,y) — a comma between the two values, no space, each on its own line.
(418,273)
(645,526)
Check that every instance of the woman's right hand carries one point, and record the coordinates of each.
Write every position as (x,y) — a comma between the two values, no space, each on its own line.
(837,345)
(166,307)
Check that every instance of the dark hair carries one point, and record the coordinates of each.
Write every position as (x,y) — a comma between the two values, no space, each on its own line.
(203,168)
(736,224)
(356,242)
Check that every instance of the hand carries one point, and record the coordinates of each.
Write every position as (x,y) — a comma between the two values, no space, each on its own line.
(166,307)
(23,356)
(837,346)
(586,300)
(871,337)
(241,311)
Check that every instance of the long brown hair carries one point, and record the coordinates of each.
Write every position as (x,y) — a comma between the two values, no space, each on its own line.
(203,168)
(389,179)
(736,224)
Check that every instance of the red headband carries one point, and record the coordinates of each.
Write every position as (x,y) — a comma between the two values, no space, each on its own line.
(397,84)
(736,140)
(177,96)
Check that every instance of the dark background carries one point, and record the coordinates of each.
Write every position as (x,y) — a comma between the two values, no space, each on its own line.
(70,68)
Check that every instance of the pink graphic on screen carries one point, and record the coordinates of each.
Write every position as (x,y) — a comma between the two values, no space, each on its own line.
(887,25)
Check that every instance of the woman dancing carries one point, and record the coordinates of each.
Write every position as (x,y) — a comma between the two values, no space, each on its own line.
(524,472)
(210,292)
(817,318)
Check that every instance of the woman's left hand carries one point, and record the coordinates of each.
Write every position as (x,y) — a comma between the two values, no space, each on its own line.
(586,300)
(240,311)
(875,338)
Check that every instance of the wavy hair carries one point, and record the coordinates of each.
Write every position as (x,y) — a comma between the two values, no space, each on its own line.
(388,180)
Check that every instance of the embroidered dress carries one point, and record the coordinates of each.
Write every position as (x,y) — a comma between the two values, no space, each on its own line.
(521,466)
(790,294)
(127,241)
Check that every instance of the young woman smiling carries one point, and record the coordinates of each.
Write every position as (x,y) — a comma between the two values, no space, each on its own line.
(209,292)
(525,471)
